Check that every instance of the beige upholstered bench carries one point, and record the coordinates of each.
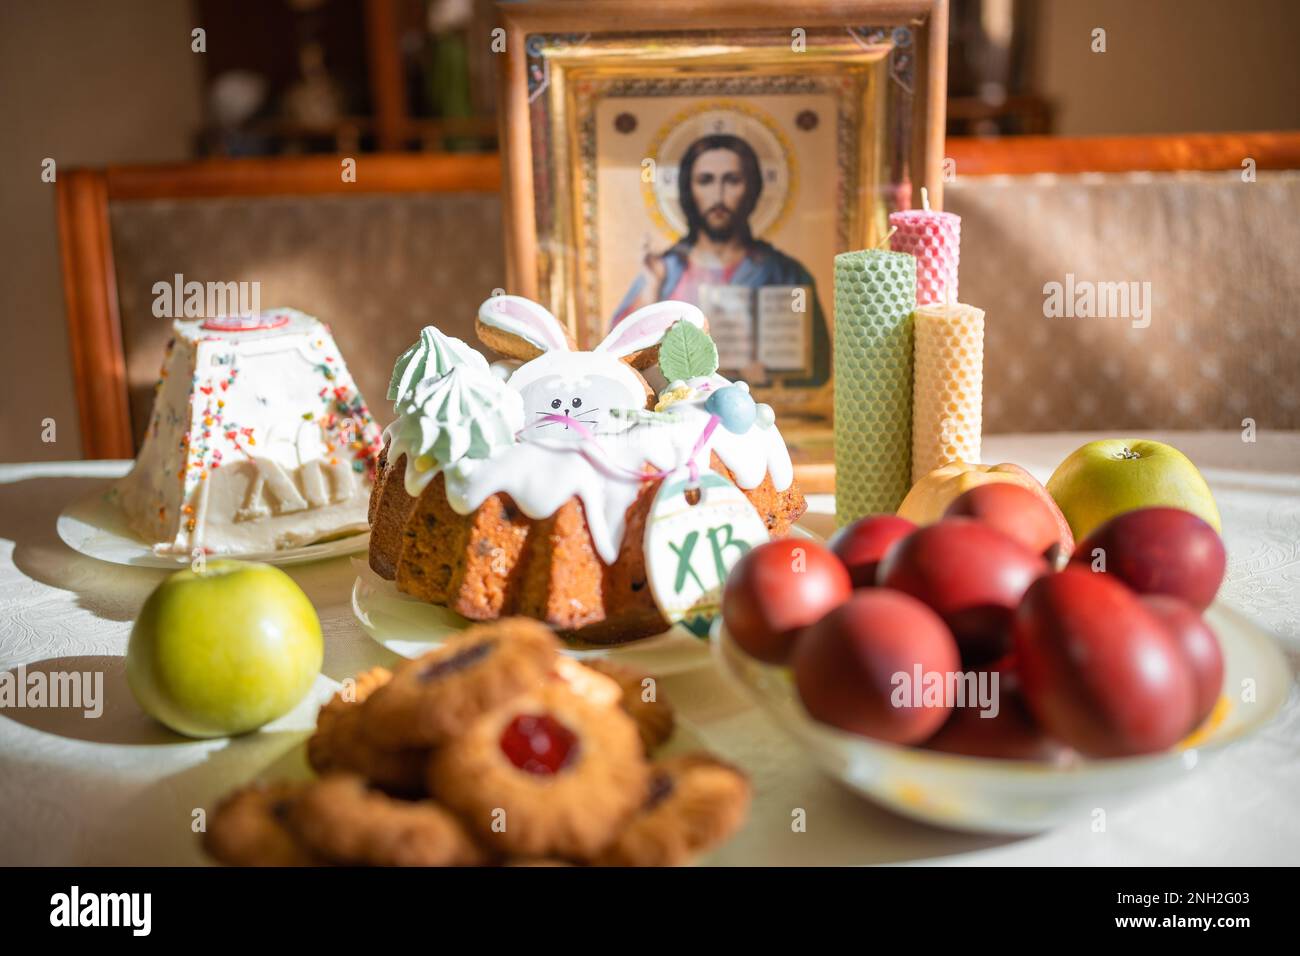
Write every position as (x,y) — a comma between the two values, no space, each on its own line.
(418,239)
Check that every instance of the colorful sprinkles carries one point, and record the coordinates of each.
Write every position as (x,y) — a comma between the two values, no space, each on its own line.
(344,418)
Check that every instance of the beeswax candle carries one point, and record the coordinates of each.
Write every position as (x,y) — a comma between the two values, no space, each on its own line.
(935,239)
(875,295)
(948,381)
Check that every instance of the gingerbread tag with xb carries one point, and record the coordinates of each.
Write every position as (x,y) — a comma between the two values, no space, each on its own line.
(700,525)
(695,533)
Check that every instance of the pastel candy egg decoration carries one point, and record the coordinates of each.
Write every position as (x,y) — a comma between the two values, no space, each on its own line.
(734,407)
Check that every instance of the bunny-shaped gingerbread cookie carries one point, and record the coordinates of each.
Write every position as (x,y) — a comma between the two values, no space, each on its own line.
(557,380)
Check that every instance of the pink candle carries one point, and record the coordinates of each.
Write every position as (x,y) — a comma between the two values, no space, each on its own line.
(934,238)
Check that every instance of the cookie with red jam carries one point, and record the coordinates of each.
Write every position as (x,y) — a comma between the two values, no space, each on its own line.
(346,821)
(546,775)
(694,802)
(251,827)
(340,743)
(640,696)
(436,696)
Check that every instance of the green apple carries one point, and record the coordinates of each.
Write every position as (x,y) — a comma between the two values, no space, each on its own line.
(223,650)
(1108,477)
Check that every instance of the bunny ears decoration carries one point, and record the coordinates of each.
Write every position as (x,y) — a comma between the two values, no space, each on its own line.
(520,328)
(636,339)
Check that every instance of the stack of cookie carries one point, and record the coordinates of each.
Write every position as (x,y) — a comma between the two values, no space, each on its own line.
(494,748)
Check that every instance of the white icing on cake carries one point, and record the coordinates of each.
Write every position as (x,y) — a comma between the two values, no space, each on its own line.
(599,453)
(258,441)
(541,475)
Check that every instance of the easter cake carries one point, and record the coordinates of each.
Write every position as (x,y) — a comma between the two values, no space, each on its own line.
(526,486)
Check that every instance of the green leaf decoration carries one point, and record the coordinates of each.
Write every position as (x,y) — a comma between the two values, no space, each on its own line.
(687,352)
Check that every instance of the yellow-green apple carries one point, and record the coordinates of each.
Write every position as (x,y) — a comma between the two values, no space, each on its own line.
(931,496)
(223,650)
(1109,477)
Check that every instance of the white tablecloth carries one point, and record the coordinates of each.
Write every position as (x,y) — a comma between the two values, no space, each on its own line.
(122,790)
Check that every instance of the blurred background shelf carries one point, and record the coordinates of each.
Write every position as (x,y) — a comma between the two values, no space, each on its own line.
(309,76)
(225,163)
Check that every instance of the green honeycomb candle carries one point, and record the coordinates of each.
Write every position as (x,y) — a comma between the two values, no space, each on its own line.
(875,295)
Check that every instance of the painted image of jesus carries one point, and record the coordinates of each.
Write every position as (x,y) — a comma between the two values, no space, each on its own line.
(719,184)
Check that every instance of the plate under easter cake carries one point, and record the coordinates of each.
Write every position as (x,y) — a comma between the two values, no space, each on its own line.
(259,440)
(549,485)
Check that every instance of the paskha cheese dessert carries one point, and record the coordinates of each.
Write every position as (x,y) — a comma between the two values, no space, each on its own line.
(527,488)
(259,440)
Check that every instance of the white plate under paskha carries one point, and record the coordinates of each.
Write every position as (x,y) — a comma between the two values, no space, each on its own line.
(409,627)
(987,795)
(94,525)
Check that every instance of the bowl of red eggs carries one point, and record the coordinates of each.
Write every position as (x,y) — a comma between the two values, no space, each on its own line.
(974,674)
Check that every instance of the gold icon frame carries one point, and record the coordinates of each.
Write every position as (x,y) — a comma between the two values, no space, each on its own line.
(888,58)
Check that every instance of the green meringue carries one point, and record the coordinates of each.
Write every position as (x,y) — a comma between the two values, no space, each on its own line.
(467,412)
(433,356)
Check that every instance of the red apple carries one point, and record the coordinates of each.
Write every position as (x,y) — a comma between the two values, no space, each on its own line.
(1014,510)
(971,574)
(1159,551)
(1199,646)
(856,668)
(1010,734)
(1099,671)
(778,589)
(863,544)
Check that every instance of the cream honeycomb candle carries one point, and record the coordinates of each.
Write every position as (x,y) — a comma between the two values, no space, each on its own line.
(875,295)
(947,385)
